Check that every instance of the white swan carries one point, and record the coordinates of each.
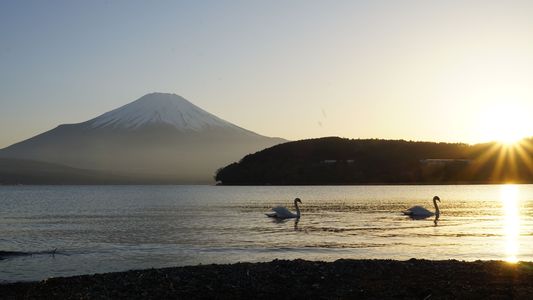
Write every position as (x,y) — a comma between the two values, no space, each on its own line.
(419,212)
(281,212)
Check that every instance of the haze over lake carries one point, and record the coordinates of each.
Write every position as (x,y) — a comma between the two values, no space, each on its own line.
(99,229)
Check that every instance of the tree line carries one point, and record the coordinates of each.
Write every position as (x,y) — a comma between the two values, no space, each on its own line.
(334,160)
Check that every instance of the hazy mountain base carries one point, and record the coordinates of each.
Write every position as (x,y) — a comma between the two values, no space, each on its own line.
(16,171)
(335,160)
(150,155)
(25,172)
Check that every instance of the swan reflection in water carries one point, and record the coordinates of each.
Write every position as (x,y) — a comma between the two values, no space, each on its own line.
(418,212)
(283,221)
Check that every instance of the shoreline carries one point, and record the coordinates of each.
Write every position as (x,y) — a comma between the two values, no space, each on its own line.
(293,279)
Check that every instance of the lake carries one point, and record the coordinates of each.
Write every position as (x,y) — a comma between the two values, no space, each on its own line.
(98,229)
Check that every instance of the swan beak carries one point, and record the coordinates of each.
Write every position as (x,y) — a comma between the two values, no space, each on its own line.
(298,200)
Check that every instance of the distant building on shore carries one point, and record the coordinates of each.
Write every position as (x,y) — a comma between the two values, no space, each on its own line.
(444,161)
(334,161)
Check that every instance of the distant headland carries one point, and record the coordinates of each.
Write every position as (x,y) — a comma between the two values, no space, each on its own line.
(340,161)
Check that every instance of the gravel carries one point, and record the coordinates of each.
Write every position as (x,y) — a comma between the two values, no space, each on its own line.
(296,279)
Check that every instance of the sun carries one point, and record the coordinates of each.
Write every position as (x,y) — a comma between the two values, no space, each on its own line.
(509,139)
(505,123)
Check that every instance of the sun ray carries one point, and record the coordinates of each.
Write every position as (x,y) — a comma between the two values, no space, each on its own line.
(523,149)
(497,172)
(485,156)
(511,165)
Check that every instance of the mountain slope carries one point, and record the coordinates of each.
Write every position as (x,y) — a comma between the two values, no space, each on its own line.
(157,137)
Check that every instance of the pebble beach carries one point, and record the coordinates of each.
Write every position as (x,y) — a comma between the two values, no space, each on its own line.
(295,279)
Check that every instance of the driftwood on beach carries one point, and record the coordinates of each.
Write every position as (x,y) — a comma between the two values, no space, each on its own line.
(297,279)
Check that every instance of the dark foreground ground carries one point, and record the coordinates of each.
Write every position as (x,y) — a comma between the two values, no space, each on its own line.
(298,279)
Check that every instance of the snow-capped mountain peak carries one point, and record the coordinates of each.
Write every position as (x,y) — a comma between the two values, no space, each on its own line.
(159,109)
(159,138)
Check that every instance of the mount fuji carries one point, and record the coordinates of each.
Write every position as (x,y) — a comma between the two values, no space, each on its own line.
(158,138)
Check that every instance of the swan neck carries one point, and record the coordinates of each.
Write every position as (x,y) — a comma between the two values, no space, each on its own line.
(297,209)
(437,211)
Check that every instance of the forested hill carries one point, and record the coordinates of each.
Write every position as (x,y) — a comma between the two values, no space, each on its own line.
(334,160)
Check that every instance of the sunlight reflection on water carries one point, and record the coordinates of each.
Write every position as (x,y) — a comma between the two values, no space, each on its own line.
(511,205)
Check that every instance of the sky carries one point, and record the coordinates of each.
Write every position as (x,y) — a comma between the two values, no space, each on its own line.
(452,71)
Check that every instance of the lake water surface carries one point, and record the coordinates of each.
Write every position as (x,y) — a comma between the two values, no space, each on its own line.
(99,229)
